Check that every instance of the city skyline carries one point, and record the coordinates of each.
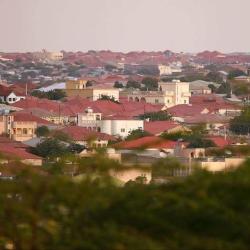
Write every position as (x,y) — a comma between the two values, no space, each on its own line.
(142,25)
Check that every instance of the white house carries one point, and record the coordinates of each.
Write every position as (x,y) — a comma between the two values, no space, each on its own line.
(89,119)
(169,94)
(178,92)
(10,96)
(121,127)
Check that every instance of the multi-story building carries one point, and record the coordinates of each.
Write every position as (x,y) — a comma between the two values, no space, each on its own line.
(79,88)
(169,94)
(89,119)
(116,126)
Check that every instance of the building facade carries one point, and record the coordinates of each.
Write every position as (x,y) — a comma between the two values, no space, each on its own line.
(169,94)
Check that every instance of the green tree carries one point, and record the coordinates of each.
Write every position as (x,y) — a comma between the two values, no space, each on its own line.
(234,73)
(108,98)
(136,134)
(51,148)
(150,83)
(156,116)
(133,84)
(42,131)
(241,124)
(118,85)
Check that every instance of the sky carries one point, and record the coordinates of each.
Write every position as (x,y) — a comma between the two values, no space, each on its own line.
(125,25)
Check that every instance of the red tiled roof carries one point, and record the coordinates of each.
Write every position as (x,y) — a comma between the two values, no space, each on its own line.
(15,149)
(220,141)
(82,134)
(183,110)
(158,127)
(5,91)
(22,116)
(208,98)
(206,118)
(149,142)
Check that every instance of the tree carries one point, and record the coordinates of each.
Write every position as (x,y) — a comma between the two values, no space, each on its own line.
(167,167)
(51,148)
(225,88)
(61,136)
(133,84)
(47,211)
(214,76)
(118,85)
(150,83)
(241,124)
(234,73)
(42,131)
(56,94)
(136,134)
(110,67)
(108,98)
(156,116)
(199,142)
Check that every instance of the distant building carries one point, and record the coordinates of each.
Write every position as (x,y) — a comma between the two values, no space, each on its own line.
(164,70)
(200,87)
(79,88)
(49,56)
(9,95)
(169,94)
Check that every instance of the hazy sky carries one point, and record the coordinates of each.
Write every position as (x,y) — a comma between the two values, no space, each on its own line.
(125,25)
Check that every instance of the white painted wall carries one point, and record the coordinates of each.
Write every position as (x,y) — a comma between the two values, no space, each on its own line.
(120,127)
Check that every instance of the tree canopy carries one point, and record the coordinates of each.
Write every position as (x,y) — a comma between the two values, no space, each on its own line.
(156,116)
(56,94)
(205,211)
(241,124)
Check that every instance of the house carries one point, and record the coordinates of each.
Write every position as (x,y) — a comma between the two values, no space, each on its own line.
(9,95)
(20,126)
(120,126)
(211,121)
(79,88)
(89,119)
(177,90)
(159,127)
(164,70)
(151,146)
(169,94)
(52,111)
(85,137)
(11,151)
(200,87)
(179,112)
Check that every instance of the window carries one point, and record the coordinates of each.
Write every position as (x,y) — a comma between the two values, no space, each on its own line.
(25,131)
(156,101)
(123,130)
(185,101)
(98,118)
(13,99)
(10,99)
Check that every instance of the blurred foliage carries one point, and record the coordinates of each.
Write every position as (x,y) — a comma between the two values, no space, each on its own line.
(205,211)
